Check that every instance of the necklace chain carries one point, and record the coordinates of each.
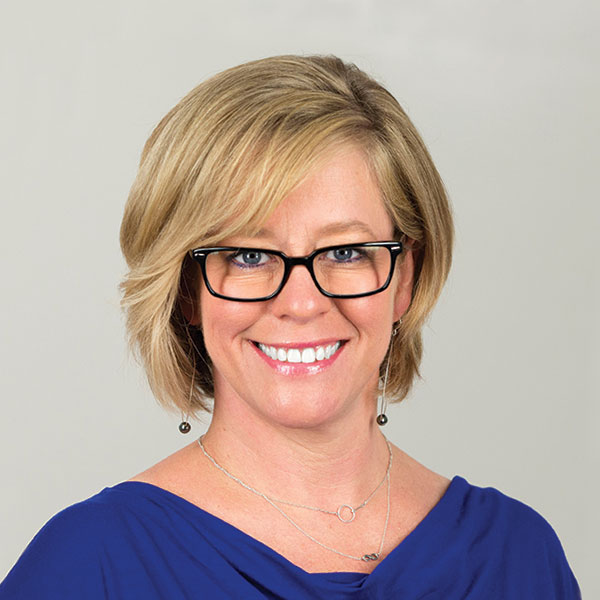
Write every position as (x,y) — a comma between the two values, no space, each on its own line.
(338,512)
(272,501)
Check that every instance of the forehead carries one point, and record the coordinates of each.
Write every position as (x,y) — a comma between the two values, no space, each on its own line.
(340,196)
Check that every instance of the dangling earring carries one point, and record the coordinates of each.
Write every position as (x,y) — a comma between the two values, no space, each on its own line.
(184,426)
(382,417)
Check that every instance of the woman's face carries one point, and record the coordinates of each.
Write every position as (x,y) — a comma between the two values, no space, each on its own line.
(338,203)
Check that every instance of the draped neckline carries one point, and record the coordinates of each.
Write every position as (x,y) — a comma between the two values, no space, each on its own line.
(448,504)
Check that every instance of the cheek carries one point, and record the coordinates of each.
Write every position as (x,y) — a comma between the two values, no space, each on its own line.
(223,320)
(371,315)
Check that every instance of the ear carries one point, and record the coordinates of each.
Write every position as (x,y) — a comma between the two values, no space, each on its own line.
(404,287)
(188,292)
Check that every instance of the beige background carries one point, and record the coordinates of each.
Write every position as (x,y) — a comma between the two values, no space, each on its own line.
(506,96)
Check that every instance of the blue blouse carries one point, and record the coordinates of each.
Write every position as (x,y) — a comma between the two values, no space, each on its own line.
(136,540)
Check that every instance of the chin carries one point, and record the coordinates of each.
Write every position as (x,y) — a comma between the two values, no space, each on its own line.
(303,412)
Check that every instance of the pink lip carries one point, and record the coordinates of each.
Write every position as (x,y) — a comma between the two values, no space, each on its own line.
(299,345)
(294,369)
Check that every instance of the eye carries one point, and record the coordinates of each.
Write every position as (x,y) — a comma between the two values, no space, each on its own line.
(249,258)
(345,255)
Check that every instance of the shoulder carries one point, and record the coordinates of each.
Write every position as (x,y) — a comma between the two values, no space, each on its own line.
(65,558)
(515,519)
(80,526)
(516,540)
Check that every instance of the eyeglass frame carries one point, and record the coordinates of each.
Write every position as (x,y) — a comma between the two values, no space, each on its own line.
(199,255)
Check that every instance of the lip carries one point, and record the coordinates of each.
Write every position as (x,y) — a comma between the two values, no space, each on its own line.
(301,345)
(296,369)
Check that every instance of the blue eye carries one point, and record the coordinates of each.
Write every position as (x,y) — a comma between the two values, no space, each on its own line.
(249,258)
(344,255)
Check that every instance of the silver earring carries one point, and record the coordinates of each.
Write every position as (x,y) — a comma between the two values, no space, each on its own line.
(382,417)
(184,426)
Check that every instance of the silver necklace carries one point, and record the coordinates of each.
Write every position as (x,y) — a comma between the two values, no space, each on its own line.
(272,501)
(343,508)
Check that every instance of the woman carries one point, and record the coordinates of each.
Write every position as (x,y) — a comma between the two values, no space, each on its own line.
(287,236)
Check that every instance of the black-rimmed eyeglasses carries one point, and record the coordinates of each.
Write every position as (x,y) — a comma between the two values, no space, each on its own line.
(255,274)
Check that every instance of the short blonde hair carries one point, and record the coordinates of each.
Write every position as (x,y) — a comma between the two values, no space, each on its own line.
(220,162)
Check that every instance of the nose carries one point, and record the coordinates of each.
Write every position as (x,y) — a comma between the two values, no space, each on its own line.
(299,297)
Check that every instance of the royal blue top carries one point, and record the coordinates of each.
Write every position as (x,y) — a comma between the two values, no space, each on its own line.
(136,540)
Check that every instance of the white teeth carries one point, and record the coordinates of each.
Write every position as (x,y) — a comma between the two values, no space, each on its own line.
(308,355)
(304,355)
(330,350)
(293,355)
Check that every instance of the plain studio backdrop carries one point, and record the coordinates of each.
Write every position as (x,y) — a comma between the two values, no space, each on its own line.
(506,97)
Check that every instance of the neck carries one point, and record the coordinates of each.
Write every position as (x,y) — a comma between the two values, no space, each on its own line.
(337,463)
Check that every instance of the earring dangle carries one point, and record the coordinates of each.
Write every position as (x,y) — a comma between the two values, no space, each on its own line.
(382,417)
(184,426)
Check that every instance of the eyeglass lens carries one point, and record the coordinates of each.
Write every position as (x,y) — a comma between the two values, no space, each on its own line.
(251,274)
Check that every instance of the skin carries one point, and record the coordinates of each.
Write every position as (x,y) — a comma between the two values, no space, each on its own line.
(309,437)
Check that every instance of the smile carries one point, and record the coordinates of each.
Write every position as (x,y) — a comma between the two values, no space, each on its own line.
(304,355)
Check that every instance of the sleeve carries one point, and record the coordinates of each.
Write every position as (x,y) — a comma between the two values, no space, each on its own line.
(564,584)
(539,558)
(63,561)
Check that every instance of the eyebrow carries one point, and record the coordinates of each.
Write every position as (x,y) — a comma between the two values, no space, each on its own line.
(352,226)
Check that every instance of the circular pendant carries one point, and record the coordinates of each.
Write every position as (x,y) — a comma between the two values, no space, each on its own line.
(341,508)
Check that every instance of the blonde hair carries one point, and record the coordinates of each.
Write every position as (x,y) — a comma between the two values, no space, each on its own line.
(222,160)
